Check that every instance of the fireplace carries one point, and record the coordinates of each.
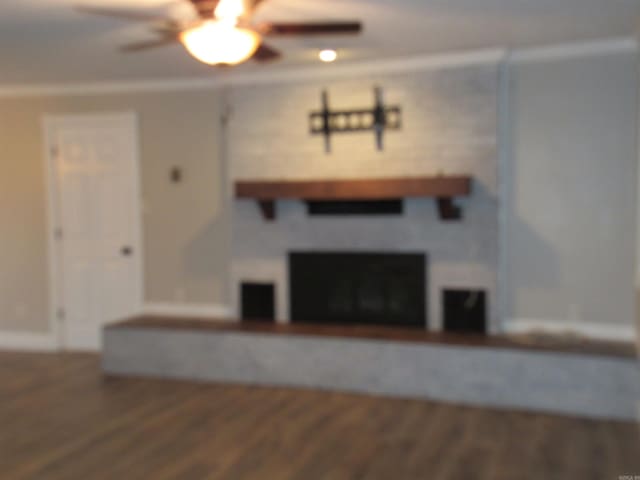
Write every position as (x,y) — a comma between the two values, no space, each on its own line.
(358,288)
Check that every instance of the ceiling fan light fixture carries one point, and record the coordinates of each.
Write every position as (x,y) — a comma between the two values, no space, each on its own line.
(220,42)
(328,55)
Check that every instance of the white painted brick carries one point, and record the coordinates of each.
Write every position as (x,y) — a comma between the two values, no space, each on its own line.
(449,127)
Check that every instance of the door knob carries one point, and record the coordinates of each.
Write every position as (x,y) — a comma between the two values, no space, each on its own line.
(126,250)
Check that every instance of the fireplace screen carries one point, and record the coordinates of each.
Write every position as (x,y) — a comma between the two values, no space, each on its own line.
(358,288)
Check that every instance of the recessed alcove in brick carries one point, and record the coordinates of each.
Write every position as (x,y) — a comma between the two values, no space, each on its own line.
(464,311)
(258,301)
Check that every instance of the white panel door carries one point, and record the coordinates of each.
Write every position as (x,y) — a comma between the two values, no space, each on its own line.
(95,170)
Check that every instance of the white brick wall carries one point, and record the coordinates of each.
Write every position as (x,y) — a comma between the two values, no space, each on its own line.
(449,127)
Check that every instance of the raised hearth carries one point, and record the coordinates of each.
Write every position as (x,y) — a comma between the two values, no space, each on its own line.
(522,342)
(485,371)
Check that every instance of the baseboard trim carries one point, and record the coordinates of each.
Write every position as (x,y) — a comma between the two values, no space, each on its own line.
(596,331)
(188,310)
(33,342)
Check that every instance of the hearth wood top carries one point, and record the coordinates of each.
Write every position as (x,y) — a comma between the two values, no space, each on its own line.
(546,343)
(359,189)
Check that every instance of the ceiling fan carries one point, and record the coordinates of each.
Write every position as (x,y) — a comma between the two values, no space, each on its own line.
(223,33)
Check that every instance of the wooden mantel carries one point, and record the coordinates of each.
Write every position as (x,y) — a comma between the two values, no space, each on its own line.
(442,188)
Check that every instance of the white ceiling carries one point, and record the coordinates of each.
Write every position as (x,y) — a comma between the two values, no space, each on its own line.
(46,41)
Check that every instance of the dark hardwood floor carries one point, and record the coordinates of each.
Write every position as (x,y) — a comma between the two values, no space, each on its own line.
(61,419)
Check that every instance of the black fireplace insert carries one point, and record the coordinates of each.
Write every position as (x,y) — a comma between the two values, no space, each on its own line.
(358,288)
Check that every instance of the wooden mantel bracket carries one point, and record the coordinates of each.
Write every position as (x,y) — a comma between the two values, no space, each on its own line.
(444,189)
(268,209)
(448,210)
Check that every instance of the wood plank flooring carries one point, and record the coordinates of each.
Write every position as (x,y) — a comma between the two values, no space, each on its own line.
(61,419)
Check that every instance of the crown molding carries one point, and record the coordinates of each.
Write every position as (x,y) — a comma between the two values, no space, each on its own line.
(329,71)
(292,74)
(107,88)
(575,50)
(396,65)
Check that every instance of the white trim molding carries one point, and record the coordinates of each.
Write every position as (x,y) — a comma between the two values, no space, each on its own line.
(108,88)
(371,67)
(335,70)
(27,341)
(575,50)
(272,76)
(596,331)
(189,310)
(52,245)
(505,160)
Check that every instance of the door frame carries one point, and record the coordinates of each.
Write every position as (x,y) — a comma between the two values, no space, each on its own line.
(50,123)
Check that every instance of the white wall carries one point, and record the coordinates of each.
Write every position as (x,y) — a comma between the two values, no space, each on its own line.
(572,211)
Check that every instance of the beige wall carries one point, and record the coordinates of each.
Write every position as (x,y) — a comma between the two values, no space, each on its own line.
(185,225)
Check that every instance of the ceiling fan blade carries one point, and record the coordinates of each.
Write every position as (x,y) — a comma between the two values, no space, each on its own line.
(122,14)
(169,28)
(149,44)
(265,53)
(205,8)
(253,5)
(312,28)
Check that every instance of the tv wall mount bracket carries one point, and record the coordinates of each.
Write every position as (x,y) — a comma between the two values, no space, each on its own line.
(327,122)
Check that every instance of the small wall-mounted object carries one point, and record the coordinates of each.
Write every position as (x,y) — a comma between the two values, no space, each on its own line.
(447,209)
(175,174)
(380,118)
(444,189)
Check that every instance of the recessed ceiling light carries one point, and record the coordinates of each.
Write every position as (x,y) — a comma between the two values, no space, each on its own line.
(328,55)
